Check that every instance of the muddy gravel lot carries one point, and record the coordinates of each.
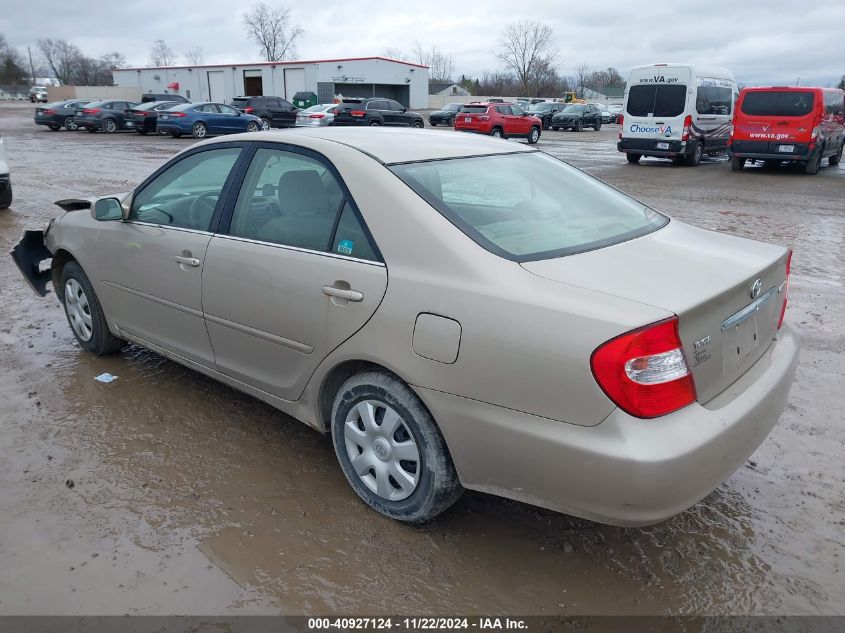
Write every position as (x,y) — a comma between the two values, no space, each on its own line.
(165,492)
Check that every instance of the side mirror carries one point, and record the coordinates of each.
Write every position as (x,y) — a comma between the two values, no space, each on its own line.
(404,109)
(108,209)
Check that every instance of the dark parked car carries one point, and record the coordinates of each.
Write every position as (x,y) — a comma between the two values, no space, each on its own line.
(145,115)
(59,114)
(577,116)
(150,97)
(273,111)
(375,111)
(545,110)
(108,116)
(445,115)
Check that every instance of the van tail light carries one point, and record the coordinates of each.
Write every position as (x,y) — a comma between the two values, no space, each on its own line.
(785,288)
(687,126)
(91,111)
(644,371)
(358,113)
(814,136)
(621,120)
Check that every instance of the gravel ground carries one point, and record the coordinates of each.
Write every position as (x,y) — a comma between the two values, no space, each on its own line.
(188,497)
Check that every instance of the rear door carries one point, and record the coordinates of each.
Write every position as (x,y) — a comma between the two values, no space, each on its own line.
(294,276)
(655,106)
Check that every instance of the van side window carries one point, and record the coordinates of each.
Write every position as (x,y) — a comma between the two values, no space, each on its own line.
(834,103)
(713,100)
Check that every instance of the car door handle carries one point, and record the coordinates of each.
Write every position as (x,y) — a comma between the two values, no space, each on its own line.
(343,293)
(187,261)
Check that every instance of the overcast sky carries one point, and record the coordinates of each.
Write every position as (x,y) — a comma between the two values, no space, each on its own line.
(761,41)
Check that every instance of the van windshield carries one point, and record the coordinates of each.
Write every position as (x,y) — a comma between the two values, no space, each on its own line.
(778,103)
(528,206)
(658,100)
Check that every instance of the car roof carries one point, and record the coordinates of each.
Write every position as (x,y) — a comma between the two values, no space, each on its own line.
(386,145)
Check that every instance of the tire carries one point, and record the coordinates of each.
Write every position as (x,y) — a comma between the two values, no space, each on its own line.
(451,122)
(737,163)
(54,128)
(265,123)
(597,126)
(496,132)
(694,157)
(84,313)
(432,123)
(254,126)
(555,128)
(109,126)
(547,123)
(834,160)
(200,130)
(375,123)
(417,124)
(534,135)
(812,166)
(6,196)
(70,124)
(579,127)
(430,481)
(633,158)
(176,134)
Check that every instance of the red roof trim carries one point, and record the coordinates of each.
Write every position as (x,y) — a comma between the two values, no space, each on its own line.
(282,63)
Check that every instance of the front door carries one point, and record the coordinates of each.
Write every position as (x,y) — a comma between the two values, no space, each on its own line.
(152,265)
(295,275)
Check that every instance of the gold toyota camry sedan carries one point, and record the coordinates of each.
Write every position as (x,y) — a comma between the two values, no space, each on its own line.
(457,311)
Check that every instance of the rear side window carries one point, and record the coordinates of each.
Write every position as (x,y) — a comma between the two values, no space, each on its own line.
(474,109)
(713,100)
(503,110)
(833,103)
(778,103)
(657,100)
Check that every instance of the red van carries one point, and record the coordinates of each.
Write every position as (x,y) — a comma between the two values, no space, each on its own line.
(788,124)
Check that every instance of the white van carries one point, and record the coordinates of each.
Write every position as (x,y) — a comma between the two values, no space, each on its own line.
(677,111)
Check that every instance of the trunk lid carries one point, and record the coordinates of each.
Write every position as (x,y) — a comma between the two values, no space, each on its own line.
(706,279)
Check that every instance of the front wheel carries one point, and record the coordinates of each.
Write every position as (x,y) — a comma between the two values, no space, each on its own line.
(109,126)
(597,126)
(417,124)
(390,449)
(265,123)
(534,135)
(199,130)
(84,313)
(254,126)
(579,127)
(375,123)
(70,124)
(497,133)
(737,163)
(633,158)
(834,160)
(451,121)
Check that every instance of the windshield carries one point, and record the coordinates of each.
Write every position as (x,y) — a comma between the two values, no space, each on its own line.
(574,109)
(778,103)
(661,100)
(541,107)
(528,206)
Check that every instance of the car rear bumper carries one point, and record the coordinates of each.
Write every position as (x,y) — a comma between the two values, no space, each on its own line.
(48,120)
(624,471)
(167,127)
(809,155)
(648,147)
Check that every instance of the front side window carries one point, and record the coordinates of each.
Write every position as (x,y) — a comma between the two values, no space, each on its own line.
(185,195)
(529,206)
(662,100)
(294,200)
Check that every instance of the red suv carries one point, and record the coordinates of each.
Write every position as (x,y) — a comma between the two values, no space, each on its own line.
(788,124)
(502,120)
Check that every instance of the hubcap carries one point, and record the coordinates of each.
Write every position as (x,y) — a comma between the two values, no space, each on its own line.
(200,131)
(78,310)
(265,124)
(382,450)
(70,124)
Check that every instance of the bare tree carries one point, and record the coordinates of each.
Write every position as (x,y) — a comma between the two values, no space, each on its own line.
(582,74)
(12,69)
(392,52)
(527,50)
(270,28)
(441,66)
(61,57)
(113,60)
(161,54)
(194,55)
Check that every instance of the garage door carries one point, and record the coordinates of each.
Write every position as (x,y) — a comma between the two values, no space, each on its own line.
(294,81)
(216,90)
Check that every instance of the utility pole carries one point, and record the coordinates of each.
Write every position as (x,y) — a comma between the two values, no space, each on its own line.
(31,67)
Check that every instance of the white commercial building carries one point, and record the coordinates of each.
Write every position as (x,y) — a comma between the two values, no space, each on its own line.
(405,82)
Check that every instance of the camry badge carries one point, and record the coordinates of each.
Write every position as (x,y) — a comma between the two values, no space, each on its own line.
(756,287)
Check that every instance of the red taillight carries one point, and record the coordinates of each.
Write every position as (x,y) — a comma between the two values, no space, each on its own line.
(249,109)
(644,371)
(49,111)
(483,117)
(91,111)
(358,113)
(785,288)
(621,120)
(177,115)
(316,116)
(687,126)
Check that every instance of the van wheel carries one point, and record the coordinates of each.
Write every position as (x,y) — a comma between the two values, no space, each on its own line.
(633,158)
(834,160)
(737,163)
(84,313)
(390,449)
(694,157)
(812,166)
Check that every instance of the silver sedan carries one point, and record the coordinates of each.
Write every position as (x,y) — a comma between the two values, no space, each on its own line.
(455,311)
(319,115)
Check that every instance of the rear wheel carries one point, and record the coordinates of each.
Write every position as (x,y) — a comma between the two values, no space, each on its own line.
(597,126)
(834,160)
(109,126)
(579,126)
(694,157)
(812,166)
(375,123)
(390,449)
(70,124)
(199,130)
(496,132)
(737,163)
(547,123)
(633,158)
(451,121)
(84,313)
(417,124)
(254,126)
(534,135)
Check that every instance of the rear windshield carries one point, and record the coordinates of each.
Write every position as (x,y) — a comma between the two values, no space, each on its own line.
(541,107)
(452,107)
(778,103)
(474,109)
(240,101)
(528,206)
(660,100)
